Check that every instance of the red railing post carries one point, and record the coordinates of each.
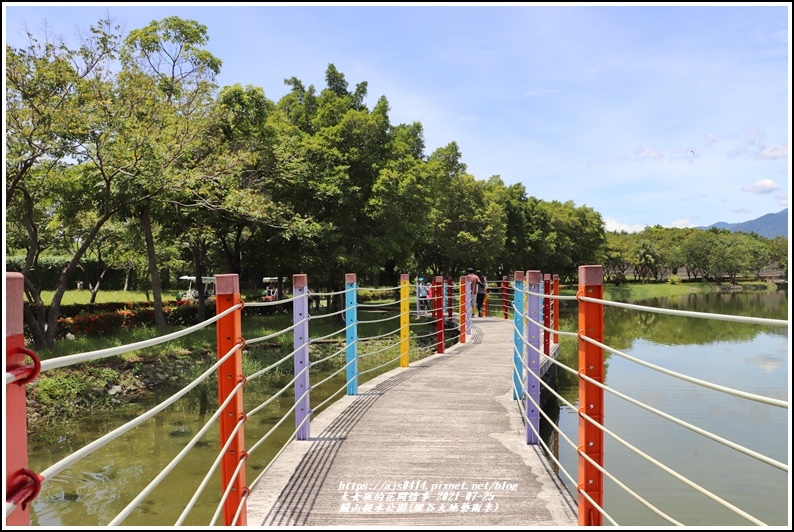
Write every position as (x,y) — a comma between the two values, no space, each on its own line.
(591,397)
(449,293)
(463,308)
(438,312)
(504,296)
(18,486)
(230,374)
(556,291)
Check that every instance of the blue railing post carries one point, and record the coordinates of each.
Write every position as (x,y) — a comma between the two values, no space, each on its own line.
(518,338)
(351,320)
(532,383)
(300,315)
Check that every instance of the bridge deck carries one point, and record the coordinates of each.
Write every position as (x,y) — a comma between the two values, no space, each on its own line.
(440,443)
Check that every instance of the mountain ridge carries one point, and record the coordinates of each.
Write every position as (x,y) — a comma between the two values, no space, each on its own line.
(768,226)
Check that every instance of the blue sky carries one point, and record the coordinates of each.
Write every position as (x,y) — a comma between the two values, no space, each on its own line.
(670,114)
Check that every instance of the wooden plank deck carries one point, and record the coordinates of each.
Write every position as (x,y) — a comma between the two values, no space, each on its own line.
(440,443)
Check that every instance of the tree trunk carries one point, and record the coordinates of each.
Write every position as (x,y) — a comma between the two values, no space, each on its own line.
(154,274)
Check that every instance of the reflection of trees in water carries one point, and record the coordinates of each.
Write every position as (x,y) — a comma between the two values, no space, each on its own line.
(623,326)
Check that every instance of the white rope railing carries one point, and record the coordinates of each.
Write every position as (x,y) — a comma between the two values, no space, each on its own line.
(177,459)
(689,313)
(269,336)
(71,360)
(699,382)
(78,455)
(277,363)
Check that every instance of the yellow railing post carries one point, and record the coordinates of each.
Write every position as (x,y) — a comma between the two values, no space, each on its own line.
(230,374)
(591,397)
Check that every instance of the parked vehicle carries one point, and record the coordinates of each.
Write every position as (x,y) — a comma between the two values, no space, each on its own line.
(270,293)
(192,294)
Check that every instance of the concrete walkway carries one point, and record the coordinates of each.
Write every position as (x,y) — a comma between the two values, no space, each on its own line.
(440,443)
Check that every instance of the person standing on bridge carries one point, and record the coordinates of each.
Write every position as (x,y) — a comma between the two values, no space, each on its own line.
(422,294)
(472,279)
(482,290)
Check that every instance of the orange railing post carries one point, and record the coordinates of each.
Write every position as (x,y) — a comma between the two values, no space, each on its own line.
(22,485)
(591,397)
(230,374)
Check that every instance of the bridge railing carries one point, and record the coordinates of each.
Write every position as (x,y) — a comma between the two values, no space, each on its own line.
(374,352)
(529,302)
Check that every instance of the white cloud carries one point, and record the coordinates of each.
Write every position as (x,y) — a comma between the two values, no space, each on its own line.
(684,222)
(782,201)
(775,152)
(649,153)
(762,186)
(614,225)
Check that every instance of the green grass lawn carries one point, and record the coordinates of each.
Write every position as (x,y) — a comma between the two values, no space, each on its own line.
(73,297)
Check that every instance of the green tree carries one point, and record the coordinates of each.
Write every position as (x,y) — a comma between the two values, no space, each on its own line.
(579,238)
(168,68)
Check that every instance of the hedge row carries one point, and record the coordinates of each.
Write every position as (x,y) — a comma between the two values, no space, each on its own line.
(126,316)
(96,319)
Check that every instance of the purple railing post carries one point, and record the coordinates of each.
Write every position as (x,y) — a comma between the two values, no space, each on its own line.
(532,383)
(300,315)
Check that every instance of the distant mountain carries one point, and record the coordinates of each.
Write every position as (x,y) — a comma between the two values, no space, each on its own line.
(768,225)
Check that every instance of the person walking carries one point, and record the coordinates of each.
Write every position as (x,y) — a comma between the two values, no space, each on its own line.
(482,290)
